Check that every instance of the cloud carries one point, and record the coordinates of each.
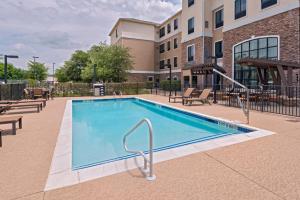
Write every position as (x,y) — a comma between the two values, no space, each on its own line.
(53,29)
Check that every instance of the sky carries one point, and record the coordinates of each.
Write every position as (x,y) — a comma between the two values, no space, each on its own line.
(53,29)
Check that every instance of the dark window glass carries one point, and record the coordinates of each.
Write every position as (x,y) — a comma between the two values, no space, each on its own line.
(175,24)
(263,48)
(169,45)
(169,63)
(267,3)
(162,32)
(175,43)
(219,49)
(175,62)
(162,64)
(190,3)
(162,48)
(240,8)
(219,18)
(116,33)
(169,28)
(191,25)
(191,53)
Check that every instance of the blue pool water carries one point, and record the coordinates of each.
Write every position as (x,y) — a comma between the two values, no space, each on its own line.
(99,127)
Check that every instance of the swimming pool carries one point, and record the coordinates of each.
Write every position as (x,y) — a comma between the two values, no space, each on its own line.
(98,127)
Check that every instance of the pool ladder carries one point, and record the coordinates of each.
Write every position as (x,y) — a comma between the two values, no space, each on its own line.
(147,171)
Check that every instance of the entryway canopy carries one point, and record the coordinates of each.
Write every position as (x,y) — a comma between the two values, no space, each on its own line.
(273,66)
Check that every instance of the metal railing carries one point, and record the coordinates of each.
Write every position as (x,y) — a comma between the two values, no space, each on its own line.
(247,110)
(149,174)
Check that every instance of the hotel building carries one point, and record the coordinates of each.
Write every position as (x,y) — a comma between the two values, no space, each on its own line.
(226,29)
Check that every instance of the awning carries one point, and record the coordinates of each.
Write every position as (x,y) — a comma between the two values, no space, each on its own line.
(203,69)
(263,63)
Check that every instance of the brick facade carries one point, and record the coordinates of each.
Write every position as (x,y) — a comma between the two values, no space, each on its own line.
(286,25)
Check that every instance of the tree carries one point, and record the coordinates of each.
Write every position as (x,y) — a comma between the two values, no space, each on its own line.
(37,71)
(13,73)
(61,75)
(79,60)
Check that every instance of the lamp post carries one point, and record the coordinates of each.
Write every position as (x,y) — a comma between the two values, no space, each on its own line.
(53,65)
(214,79)
(5,65)
(170,75)
(34,62)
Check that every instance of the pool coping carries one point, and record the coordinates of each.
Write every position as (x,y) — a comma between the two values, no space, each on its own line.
(61,173)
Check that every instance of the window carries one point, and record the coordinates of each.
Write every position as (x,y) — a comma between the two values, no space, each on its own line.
(175,78)
(116,33)
(162,64)
(219,19)
(219,49)
(162,32)
(169,63)
(150,78)
(162,48)
(175,43)
(190,3)
(169,28)
(261,48)
(240,8)
(191,53)
(175,24)
(175,62)
(169,45)
(267,3)
(191,25)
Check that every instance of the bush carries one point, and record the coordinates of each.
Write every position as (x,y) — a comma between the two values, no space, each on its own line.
(175,85)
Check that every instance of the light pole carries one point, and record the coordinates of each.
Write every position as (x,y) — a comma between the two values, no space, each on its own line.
(53,66)
(170,75)
(34,62)
(5,65)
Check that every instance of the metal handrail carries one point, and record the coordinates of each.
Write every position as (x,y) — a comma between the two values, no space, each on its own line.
(246,112)
(150,176)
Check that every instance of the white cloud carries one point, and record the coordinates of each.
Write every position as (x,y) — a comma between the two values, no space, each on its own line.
(53,29)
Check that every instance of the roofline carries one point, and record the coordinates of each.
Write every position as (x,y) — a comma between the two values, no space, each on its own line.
(132,20)
(142,21)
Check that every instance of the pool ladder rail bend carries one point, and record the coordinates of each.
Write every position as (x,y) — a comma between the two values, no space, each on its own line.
(148,162)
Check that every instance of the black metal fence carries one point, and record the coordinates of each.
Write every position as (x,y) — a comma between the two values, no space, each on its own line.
(271,98)
(12,91)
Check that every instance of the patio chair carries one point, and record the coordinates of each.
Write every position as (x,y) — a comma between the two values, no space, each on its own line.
(203,98)
(37,93)
(187,94)
(13,121)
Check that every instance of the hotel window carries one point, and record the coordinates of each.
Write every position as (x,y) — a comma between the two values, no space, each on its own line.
(175,43)
(175,24)
(169,45)
(162,32)
(162,48)
(116,33)
(267,3)
(191,53)
(240,8)
(175,62)
(191,24)
(260,48)
(169,28)
(162,64)
(219,18)
(190,3)
(169,63)
(150,78)
(219,49)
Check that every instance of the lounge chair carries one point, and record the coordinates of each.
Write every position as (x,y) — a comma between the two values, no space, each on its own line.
(203,98)
(38,106)
(187,94)
(43,101)
(13,120)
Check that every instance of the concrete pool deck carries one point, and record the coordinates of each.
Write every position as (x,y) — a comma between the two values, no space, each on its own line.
(264,168)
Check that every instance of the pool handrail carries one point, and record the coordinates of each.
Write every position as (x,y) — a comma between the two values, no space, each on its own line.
(150,175)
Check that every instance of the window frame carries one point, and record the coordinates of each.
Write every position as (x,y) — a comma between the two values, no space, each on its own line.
(169,28)
(191,30)
(175,24)
(241,13)
(191,2)
(152,77)
(268,4)
(221,23)
(162,32)
(175,64)
(175,44)
(194,49)
(169,45)
(222,48)
(162,48)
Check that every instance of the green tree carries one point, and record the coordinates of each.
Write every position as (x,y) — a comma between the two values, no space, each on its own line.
(73,68)
(61,75)
(13,73)
(37,71)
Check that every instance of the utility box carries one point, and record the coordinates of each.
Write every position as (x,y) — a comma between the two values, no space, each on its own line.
(99,89)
